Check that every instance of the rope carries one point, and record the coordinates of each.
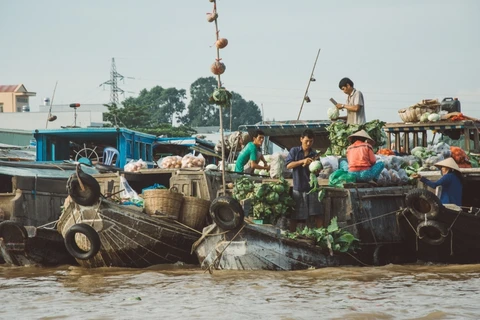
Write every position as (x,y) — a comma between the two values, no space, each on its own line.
(378,217)
(46,224)
(368,214)
(209,268)
(417,236)
(355,258)
(78,177)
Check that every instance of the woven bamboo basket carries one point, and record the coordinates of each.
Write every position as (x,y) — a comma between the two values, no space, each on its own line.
(413,113)
(163,201)
(193,212)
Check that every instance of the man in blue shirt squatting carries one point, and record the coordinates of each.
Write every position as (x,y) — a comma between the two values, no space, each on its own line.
(249,157)
(306,204)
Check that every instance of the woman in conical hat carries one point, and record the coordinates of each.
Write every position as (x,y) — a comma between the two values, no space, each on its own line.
(361,158)
(451,181)
(361,135)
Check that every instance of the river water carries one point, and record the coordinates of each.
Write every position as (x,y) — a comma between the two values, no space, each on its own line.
(180,292)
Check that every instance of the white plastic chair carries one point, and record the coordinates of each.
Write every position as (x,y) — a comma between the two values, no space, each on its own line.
(109,154)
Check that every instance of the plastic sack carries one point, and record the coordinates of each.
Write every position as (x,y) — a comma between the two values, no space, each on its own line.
(330,162)
(133,166)
(340,177)
(277,165)
(443,149)
(191,161)
(127,193)
(170,162)
(211,167)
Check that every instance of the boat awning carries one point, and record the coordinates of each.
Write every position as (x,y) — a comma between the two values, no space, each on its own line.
(32,169)
(286,134)
(205,151)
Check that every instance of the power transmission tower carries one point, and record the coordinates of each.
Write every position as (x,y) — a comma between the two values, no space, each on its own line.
(113,83)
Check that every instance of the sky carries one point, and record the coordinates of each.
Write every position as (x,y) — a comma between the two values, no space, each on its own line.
(396,52)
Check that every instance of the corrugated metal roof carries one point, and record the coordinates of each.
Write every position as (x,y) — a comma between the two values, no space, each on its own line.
(8,88)
(44,170)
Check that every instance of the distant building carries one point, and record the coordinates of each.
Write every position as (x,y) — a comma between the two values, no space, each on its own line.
(15,98)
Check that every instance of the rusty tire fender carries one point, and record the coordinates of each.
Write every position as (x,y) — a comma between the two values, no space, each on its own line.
(87,197)
(227,213)
(432,232)
(92,236)
(423,204)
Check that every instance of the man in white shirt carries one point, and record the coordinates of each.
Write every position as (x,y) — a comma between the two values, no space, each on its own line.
(355,105)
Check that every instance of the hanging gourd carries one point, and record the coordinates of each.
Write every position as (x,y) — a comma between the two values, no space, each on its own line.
(212,16)
(218,68)
(221,43)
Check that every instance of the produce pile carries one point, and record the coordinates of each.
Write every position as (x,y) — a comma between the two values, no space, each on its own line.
(269,200)
(177,162)
(432,154)
(339,132)
(330,239)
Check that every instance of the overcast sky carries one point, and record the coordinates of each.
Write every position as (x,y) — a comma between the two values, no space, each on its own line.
(397,52)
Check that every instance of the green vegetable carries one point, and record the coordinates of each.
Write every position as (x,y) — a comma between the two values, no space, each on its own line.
(315,166)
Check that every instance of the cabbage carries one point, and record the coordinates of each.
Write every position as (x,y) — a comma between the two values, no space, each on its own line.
(333,113)
(424,117)
(315,166)
(434,117)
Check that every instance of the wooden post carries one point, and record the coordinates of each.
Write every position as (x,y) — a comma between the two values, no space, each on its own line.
(466,132)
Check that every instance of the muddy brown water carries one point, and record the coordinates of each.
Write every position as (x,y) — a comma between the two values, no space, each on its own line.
(180,292)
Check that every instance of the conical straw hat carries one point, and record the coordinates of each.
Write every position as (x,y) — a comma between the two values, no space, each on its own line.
(449,163)
(361,134)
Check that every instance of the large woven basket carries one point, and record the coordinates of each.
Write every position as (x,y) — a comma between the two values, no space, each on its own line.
(413,113)
(193,212)
(162,201)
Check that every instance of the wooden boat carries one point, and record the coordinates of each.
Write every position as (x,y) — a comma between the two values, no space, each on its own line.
(27,246)
(102,233)
(441,233)
(367,213)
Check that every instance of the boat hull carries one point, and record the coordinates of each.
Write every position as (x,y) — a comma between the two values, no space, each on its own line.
(26,246)
(454,238)
(130,238)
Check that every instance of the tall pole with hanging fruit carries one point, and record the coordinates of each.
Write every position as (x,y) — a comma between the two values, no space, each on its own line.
(220,95)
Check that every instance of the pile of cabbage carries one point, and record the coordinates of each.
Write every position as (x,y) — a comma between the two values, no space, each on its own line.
(340,131)
(331,239)
(269,200)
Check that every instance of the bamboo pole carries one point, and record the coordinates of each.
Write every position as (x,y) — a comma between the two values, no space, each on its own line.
(220,113)
(308,85)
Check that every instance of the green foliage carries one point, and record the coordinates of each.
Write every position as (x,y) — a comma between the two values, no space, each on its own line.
(339,132)
(202,110)
(331,239)
(157,106)
(149,109)
(269,200)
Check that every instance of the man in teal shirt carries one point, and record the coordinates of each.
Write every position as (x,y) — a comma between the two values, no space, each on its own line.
(249,157)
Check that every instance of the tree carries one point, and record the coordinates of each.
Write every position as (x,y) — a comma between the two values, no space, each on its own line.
(201,112)
(161,104)
(132,116)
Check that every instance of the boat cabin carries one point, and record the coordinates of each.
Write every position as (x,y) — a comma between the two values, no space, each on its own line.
(72,144)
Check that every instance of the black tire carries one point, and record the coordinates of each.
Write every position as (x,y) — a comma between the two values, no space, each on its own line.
(13,232)
(432,232)
(72,246)
(422,202)
(87,197)
(227,213)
